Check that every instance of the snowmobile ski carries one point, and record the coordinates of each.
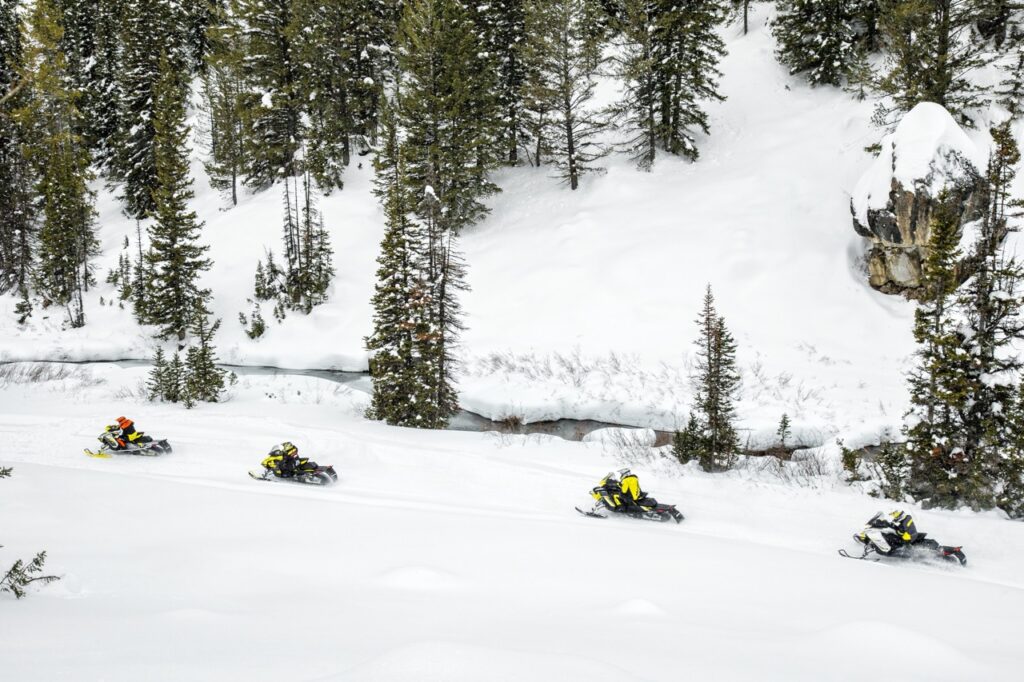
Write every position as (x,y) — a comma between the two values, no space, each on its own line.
(593,515)
(137,452)
(863,557)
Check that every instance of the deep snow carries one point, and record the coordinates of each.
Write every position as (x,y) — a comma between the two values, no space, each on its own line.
(448,556)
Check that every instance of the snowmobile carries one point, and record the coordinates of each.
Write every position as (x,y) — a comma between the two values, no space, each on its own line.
(306,471)
(145,446)
(921,547)
(608,496)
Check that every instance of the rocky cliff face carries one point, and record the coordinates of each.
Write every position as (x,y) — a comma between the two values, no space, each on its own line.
(893,203)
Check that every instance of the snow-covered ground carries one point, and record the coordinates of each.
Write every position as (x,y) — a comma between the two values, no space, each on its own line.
(450,557)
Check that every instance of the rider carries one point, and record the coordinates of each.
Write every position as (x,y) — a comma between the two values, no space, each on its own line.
(631,493)
(890,534)
(283,460)
(125,435)
(621,491)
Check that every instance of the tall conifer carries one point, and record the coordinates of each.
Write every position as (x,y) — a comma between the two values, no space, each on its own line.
(175,257)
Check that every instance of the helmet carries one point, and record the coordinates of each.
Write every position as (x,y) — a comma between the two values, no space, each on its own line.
(624,472)
(123,422)
(289,450)
(897,514)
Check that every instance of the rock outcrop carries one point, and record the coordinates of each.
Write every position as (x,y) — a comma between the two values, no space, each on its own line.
(893,203)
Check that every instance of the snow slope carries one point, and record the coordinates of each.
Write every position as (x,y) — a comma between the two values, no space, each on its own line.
(582,303)
(451,557)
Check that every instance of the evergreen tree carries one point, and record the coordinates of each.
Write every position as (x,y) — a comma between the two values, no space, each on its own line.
(157,374)
(259,30)
(133,162)
(504,33)
(939,383)
(562,58)
(308,270)
(344,49)
(92,43)
(1011,90)
(1011,474)
(445,107)
(784,431)
(224,95)
(717,382)
(690,443)
(173,388)
(403,340)
(818,38)
(176,260)
(200,17)
(669,64)
(442,94)
(991,303)
(932,53)
(204,381)
(60,164)
(17,231)
(635,65)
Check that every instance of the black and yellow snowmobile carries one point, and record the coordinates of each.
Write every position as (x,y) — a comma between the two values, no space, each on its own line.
(621,494)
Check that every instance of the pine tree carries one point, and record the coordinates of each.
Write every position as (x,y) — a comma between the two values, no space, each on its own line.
(717,382)
(204,381)
(1011,474)
(784,431)
(442,94)
(445,112)
(133,162)
(669,65)
(17,234)
(635,65)
(991,303)
(224,95)
(1011,90)
(176,260)
(939,385)
(818,38)
(157,382)
(562,58)
(259,30)
(689,443)
(308,270)
(200,17)
(173,388)
(93,46)
(403,340)
(504,33)
(932,55)
(60,164)
(344,51)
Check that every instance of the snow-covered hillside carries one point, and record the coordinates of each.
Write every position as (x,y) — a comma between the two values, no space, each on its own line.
(582,303)
(453,557)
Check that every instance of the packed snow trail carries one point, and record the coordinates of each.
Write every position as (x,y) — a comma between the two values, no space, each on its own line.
(454,556)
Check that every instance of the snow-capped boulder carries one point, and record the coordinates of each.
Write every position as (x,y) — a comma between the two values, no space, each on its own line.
(893,202)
